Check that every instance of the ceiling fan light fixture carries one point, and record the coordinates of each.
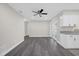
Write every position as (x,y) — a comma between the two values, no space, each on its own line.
(39,12)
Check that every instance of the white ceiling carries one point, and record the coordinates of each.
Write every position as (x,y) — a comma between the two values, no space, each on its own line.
(52,9)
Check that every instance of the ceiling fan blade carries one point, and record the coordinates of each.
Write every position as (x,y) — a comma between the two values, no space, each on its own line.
(44,13)
(35,14)
(34,11)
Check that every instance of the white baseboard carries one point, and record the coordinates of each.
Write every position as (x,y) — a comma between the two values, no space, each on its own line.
(38,35)
(3,54)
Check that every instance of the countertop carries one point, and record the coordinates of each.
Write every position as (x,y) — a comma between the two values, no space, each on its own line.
(70,32)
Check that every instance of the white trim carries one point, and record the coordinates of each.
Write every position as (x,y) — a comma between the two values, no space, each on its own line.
(61,44)
(3,54)
(39,36)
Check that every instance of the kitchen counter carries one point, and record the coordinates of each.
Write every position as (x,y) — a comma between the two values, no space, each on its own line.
(70,32)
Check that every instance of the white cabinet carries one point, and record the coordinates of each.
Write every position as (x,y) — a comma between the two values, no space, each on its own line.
(76,41)
(69,41)
(69,21)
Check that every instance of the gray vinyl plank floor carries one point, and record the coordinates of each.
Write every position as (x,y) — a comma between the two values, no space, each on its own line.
(39,46)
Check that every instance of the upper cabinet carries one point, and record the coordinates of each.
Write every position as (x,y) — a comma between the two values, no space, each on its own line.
(69,18)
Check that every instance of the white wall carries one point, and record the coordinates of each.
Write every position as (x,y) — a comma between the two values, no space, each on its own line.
(38,29)
(11,29)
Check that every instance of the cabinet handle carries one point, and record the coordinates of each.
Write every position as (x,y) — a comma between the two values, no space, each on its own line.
(71,36)
(74,39)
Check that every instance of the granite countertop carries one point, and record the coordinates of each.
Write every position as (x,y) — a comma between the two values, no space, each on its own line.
(70,32)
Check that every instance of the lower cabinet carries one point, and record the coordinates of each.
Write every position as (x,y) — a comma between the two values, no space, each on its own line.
(76,41)
(69,41)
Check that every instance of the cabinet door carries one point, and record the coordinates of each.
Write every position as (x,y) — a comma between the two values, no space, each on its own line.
(76,41)
(70,42)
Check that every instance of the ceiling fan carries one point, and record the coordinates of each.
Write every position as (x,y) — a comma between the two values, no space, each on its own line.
(39,12)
